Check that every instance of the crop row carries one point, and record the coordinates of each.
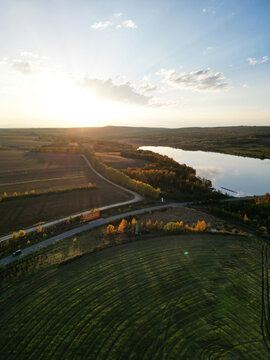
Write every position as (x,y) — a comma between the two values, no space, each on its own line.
(146,300)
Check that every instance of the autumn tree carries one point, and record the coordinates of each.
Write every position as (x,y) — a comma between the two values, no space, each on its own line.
(122,226)
(149,224)
(110,229)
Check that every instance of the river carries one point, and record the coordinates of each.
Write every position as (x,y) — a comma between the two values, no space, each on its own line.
(245,176)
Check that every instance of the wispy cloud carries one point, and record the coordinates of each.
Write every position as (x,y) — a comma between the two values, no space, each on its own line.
(202,80)
(116,23)
(118,15)
(245,86)
(159,103)
(27,63)
(101,25)
(253,61)
(129,24)
(25,67)
(146,85)
(3,61)
(29,54)
(107,89)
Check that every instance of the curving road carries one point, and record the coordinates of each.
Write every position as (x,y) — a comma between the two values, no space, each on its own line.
(91,225)
(136,198)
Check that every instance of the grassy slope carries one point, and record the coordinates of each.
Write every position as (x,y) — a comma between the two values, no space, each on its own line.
(142,300)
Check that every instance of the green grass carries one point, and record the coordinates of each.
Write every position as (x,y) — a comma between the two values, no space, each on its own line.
(141,300)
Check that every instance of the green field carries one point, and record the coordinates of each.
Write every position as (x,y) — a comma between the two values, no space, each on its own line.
(141,300)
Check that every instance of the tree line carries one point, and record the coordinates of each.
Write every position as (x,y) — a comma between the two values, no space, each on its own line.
(176,181)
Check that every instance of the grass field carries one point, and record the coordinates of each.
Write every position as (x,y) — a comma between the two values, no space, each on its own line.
(117,161)
(141,300)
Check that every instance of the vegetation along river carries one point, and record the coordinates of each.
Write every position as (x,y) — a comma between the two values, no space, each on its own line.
(246,176)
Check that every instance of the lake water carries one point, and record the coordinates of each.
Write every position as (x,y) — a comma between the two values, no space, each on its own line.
(246,176)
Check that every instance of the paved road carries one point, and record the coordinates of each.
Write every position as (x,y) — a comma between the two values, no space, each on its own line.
(136,198)
(90,225)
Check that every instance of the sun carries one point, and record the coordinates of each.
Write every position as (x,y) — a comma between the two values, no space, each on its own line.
(60,98)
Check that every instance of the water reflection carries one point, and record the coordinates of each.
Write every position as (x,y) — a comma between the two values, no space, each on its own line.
(246,176)
(210,172)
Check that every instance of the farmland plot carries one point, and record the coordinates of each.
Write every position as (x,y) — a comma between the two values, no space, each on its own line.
(117,161)
(25,171)
(178,297)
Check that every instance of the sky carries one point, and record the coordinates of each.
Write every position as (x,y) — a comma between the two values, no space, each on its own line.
(169,63)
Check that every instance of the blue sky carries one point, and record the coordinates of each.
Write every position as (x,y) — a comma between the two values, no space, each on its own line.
(153,63)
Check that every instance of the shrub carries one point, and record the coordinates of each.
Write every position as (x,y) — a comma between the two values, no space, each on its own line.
(22,233)
(15,236)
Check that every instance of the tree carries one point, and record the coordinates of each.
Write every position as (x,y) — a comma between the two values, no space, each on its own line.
(133,224)
(110,229)
(122,226)
(156,225)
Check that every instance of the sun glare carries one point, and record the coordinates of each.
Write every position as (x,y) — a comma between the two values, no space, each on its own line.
(61,99)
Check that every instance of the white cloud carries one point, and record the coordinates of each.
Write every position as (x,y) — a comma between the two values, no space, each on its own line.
(25,67)
(3,61)
(107,89)
(28,63)
(245,86)
(101,25)
(129,24)
(253,61)
(204,10)
(208,49)
(156,102)
(146,85)
(29,54)
(202,80)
